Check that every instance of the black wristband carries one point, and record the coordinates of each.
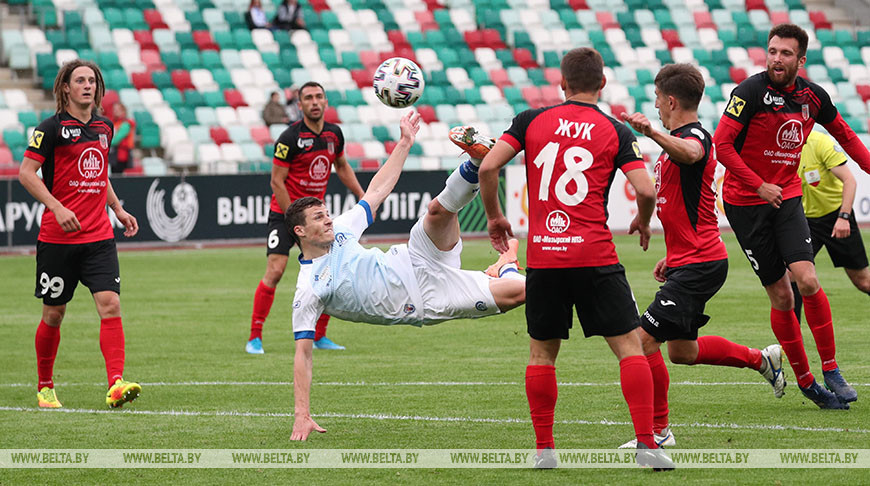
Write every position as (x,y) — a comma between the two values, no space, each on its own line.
(844,215)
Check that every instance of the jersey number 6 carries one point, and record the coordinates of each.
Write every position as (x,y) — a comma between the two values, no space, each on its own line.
(576,159)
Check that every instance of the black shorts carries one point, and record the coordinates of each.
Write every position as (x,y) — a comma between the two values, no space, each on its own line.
(772,238)
(677,312)
(845,252)
(59,269)
(601,296)
(278,241)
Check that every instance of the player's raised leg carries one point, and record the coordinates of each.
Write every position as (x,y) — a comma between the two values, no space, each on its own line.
(46,342)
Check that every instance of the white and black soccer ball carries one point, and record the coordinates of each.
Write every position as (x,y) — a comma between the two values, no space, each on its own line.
(398,82)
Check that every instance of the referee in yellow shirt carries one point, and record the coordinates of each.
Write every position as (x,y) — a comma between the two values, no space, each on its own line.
(829,190)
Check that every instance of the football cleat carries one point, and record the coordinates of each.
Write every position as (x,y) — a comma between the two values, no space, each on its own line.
(657,459)
(546,459)
(823,398)
(122,392)
(470,141)
(254,346)
(771,369)
(47,398)
(326,343)
(510,256)
(835,382)
(664,438)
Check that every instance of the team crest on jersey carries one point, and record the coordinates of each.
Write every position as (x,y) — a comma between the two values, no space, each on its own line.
(409,308)
(735,106)
(340,238)
(36,139)
(330,147)
(305,143)
(805,111)
(281,151)
(319,168)
(104,141)
(558,221)
(480,305)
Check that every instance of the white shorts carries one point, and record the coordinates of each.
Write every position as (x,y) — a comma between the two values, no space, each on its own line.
(448,292)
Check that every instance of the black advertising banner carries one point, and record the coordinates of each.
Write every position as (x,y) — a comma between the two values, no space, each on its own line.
(220,207)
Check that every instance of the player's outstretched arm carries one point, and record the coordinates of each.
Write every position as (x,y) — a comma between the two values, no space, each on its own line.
(646,204)
(348,177)
(680,150)
(850,142)
(34,185)
(303,424)
(385,179)
(498,226)
(131,226)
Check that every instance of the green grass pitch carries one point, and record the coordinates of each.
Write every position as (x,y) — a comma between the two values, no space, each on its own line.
(186,316)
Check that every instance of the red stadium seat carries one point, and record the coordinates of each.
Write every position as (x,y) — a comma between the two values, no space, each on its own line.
(755,5)
(553,75)
(500,78)
(578,4)
(144,39)
(154,19)
(820,20)
(142,80)
(672,37)
(362,77)
(319,5)
(863,91)
(618,110)
(433,5)
(533,96)
(606,20)
(524,58)
(331,115)
(260,134)
(6,157)
(389,146)
(234,98)
(109,100)
(777,18)
(152,61)
(353,150)
(369,164)
(398,39)
(181,80)
(738,75)
(204,41)
(406,51)
(370,59)
(703,20)
(474,39)
(424,17)
(492,39)
(552,94)
(427,114)
(758,55)
(219,135)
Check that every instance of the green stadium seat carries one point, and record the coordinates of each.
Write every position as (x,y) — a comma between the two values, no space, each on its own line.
(149,136)
(282,77)
(472,96)
(214,99)
(185,41)
(290,59)
(172,97)
(211,60)
(242,38)
(161,79)
(223,79)
(193,99)
(28,118)
(185,115)
(355,97)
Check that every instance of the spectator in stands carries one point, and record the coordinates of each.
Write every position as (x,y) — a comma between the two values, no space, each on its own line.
(273,112)
(289,16)
(120,152)
(256,17)
(294,113)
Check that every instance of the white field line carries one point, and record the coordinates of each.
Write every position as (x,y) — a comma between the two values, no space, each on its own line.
(397,383)
(423,418)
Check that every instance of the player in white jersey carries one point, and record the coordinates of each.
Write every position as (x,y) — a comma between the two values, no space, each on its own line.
(418,283)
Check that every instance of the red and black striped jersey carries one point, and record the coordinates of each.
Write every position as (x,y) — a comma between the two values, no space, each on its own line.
(775,124)
(686,202)
(572,153)
(73,157)
(309,156)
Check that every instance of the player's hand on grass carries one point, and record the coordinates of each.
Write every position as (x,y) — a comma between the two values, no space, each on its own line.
(409,126)
(303,426)
(841,228)
(659,270)
(639,122)
(643,230)
(499,232)
(67,219)
(770,193)
(131,226)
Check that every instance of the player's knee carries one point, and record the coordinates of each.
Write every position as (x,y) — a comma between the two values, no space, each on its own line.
(681,357)
(53,316)
(435,209)
(109,307)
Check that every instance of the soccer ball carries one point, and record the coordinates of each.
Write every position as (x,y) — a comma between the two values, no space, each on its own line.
(398,82)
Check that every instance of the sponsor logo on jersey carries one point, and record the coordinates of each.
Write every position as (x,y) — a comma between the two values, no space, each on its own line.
(185,204)
(480,306)
(558,221)
(104,140)
(305,143)
(636,148)
(697,133)
(773,100)
(73,133)
(805,111)
(790,135)
(340,238)
(666,303)
(91,163)
(281,151)
(651,319)
(736,105)
(36,139)
(319,168)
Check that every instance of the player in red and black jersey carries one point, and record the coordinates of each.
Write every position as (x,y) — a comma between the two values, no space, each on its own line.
(304,155)
(696,264)
(759,141)
(572,153)
(76,241)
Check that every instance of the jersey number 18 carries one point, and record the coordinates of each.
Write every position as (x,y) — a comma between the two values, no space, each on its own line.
(576,159)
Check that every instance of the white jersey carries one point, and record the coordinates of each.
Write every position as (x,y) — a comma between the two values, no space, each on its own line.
(356,283)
